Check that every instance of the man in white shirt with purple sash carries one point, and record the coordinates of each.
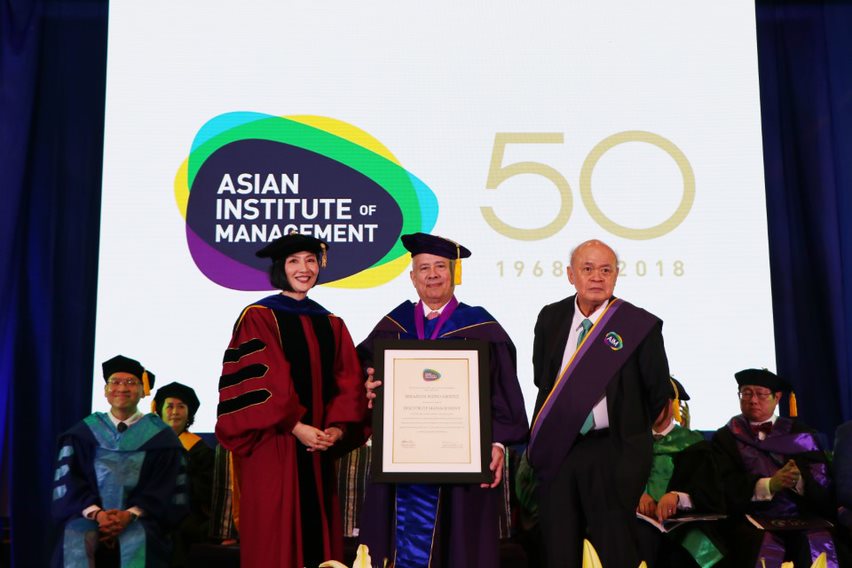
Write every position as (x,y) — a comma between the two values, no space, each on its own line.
(603,377)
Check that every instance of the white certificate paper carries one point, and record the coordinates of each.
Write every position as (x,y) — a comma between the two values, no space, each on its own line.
(430,414)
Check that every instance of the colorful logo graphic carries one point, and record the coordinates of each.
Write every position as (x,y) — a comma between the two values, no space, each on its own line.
(251,178)
(431,375)
(614,341)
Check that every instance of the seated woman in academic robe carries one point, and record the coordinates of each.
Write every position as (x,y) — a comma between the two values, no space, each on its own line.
(177,404)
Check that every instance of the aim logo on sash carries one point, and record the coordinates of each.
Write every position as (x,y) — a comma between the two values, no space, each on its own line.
(251,178)
(614,341)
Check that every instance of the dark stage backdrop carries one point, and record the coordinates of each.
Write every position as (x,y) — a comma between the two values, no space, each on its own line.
(52,78)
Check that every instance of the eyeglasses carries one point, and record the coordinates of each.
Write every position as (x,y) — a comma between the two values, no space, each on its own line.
(602,271)
(749,394)
(116,382)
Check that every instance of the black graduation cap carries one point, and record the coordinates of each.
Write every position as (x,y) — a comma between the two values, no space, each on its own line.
(680,392)
(122,364)
(423,243)
(176,390)
(283,247)
(419,243)
(762,378)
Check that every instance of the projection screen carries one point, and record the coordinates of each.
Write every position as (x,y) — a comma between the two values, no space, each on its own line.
(518,130)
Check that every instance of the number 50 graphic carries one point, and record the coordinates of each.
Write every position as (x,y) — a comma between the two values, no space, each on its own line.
(499,172)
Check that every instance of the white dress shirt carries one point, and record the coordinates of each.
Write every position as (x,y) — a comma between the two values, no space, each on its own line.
(599,411)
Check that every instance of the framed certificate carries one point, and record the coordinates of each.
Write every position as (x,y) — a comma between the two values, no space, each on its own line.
(432,414)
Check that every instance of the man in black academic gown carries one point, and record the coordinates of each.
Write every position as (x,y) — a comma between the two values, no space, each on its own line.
(116,491)
(603,377)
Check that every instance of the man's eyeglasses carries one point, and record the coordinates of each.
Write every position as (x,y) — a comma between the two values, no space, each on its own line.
(750,394)
(117,382)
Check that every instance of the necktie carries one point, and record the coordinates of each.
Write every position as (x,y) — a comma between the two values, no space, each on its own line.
(766,428)
(121,427)
(587,325)
(589,423)
(432,315)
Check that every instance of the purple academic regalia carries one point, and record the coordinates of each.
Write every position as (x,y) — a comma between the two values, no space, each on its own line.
(743,459)
(467,526)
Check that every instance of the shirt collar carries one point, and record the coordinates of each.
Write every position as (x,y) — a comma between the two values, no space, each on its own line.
(667,430)
(772,419)
(130,421)
(427,310)
(579,317)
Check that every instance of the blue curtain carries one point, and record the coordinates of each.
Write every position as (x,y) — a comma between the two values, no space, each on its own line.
(52,83)
(52,75)
(805,60)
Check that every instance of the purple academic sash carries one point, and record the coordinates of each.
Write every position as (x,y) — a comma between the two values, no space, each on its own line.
(420,320)
(780,441)
(581,384)
(764,457)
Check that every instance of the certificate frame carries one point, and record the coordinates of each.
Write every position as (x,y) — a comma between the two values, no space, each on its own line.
(426,430)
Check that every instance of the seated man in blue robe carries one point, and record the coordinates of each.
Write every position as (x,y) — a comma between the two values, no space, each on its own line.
(774,472)
(119,484)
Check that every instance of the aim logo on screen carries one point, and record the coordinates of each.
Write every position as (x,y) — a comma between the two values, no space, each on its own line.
(251,178)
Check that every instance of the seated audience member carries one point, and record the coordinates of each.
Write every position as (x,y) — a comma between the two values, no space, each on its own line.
(224,510)
(116,482)
(177,404)
(773,470)
(843,473)
(683,480)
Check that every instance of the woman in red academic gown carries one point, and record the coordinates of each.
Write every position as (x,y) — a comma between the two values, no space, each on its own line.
(291,397)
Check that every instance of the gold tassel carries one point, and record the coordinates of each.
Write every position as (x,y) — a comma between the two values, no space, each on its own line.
(794,409)
(676,404)
(323,258)
(154,407)
(234,480)
(146,386)
(678,416)
(458,269)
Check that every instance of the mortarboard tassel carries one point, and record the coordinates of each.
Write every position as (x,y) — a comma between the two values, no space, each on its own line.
(323,258)
(794,409)
(146,386)
(458,269)
(678,416)
(676,404)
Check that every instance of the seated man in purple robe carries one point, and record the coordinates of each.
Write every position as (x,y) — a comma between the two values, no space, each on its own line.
(119,485)
(843,475)
(774,474)
(443,525)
